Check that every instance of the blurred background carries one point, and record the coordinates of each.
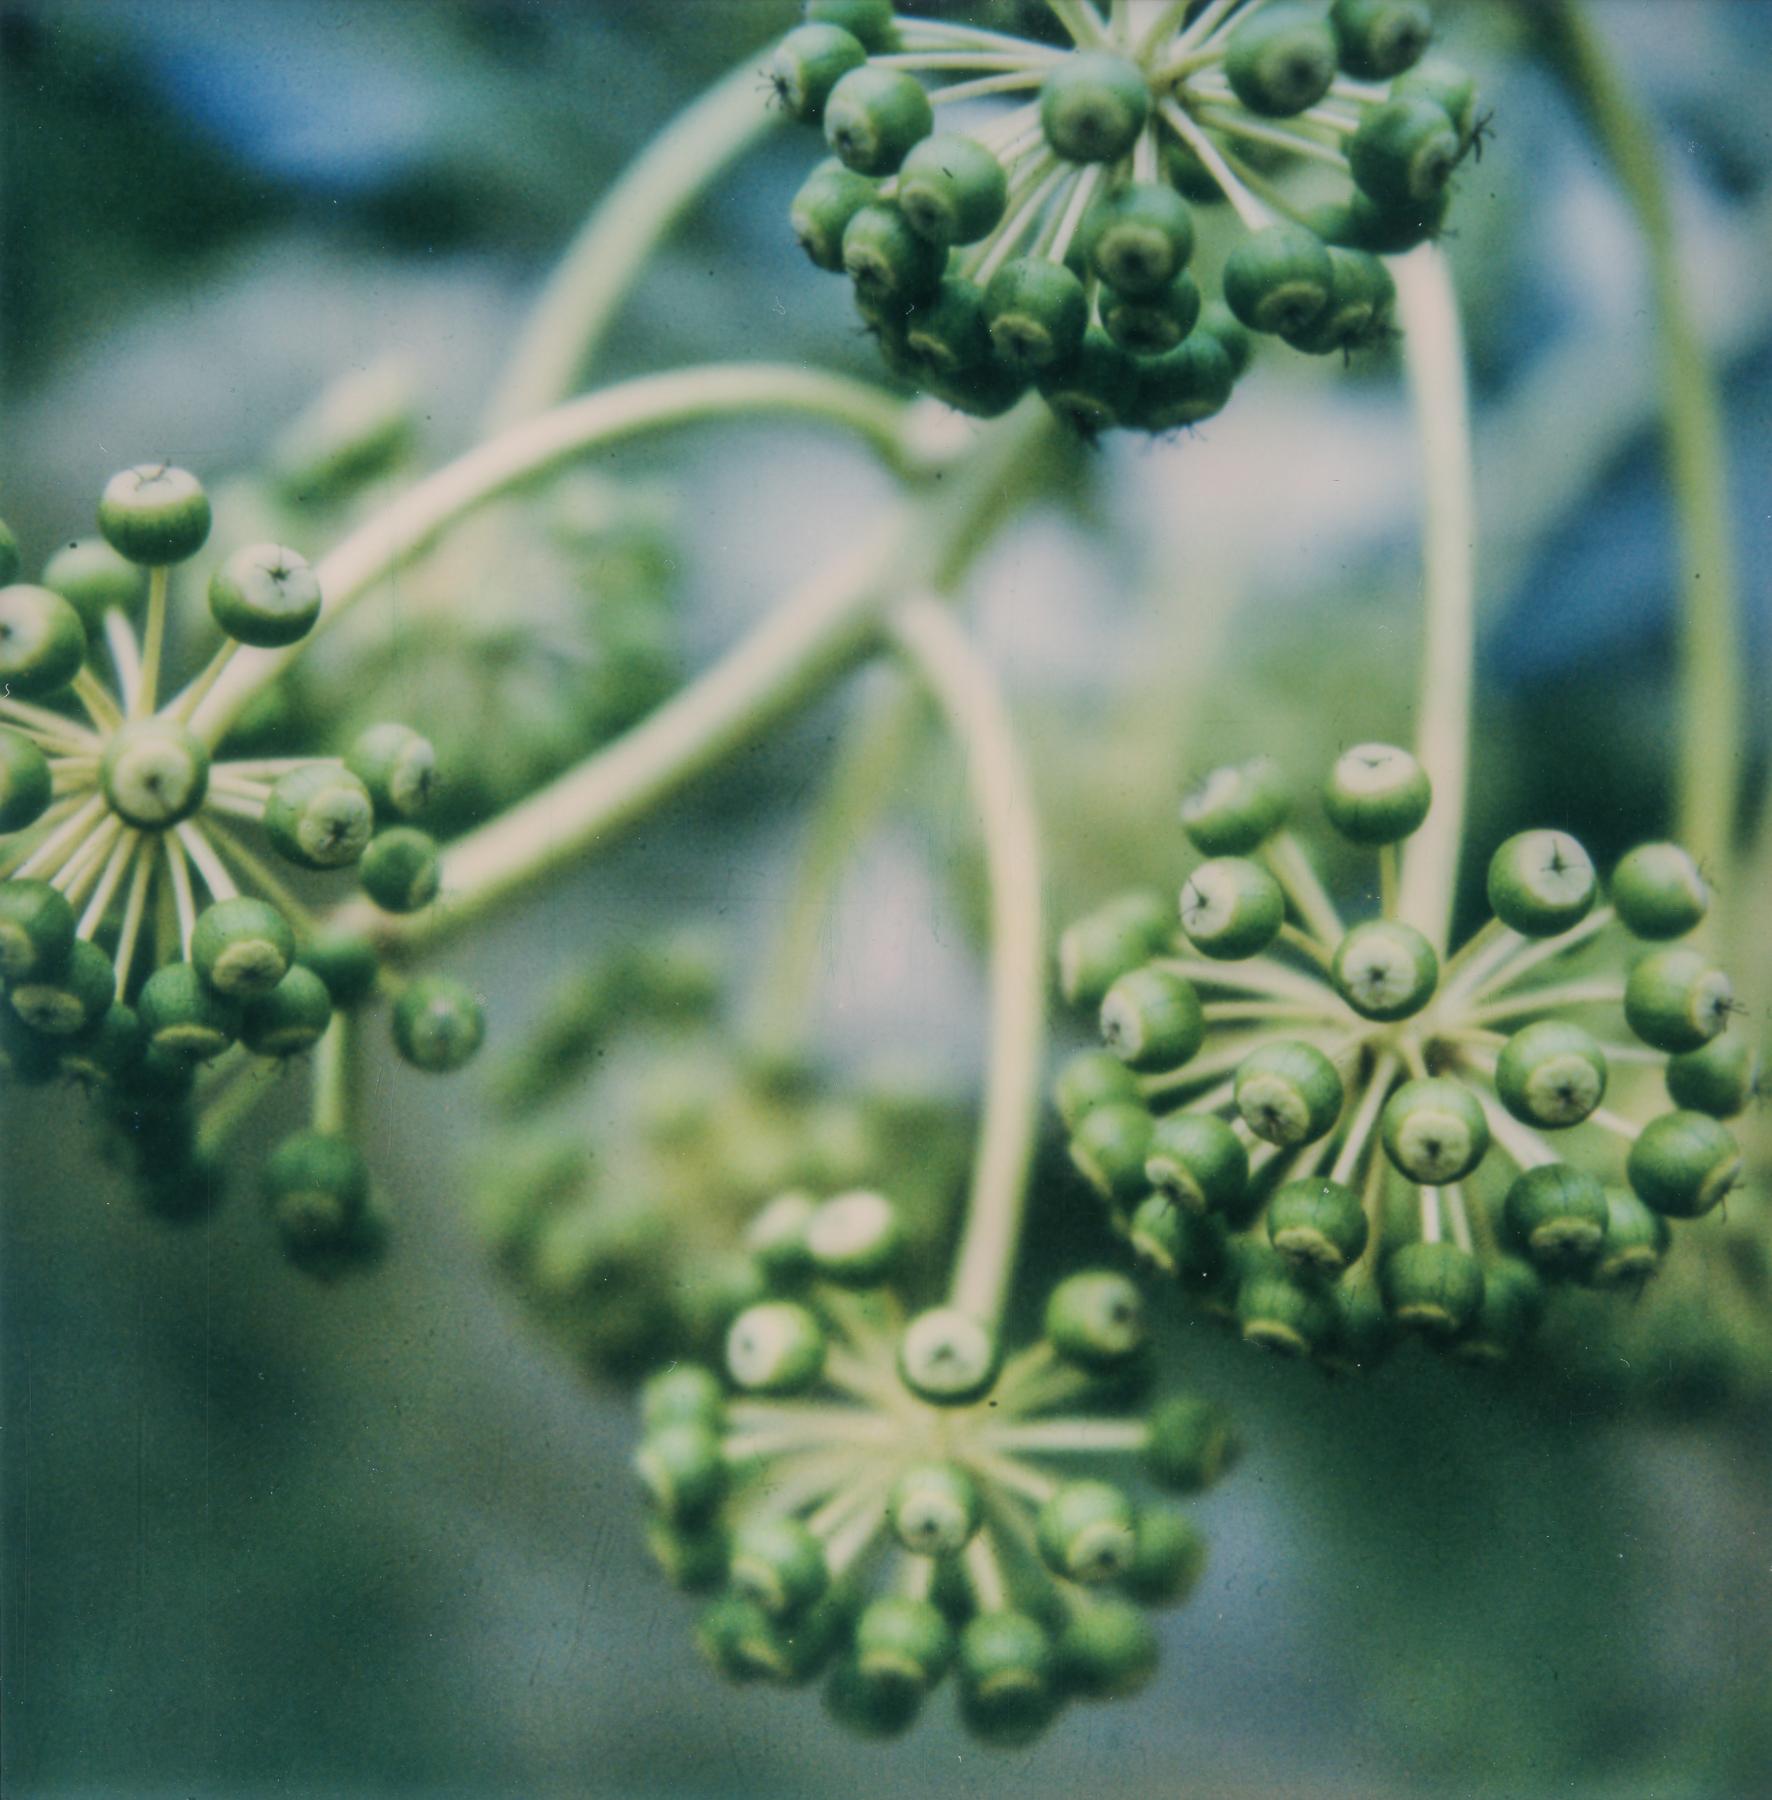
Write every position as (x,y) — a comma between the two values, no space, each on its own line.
(263,1537)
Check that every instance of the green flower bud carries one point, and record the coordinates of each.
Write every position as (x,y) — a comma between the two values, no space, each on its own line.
(952,190)
(401,869)
(317,1189)
(25,782)
(66,997)
(154,514)
(948,333)
(185,1016)
(691,1558)
(1280,61)
(1551,1074)
(42,642)
(873,116)
(1377,794)
(1218,321)
(1168,1555)
(36,929)
(398,767)
(319,817)
(1197,1161)
(776,1237)
(1288,1092)
(1007,1669)
(1557,1216)
(828,199)
(266,596)
(681,1467)
(1105,944)
(741,1640)
(898,1639)
(1093,106)
(1192,1443)
(1512,1304)
(1404,151)
(1037,311)
(1435,1288)
(1719,1079)
(1434,1130)
(1182,387)
(1096,1319)
(854,1239)
(1279,279)
(1658,891)
(1277,1309)
(291,1018)
(94,580)
(1138,238)
(347,964)
(871,1704)
(1683,1163)
(438,1024)
(1236,809)
(873,22)
(1090,1079)
(1675,1000)
(1086,1532)
(1231,907)
(1108,1146)
(1152,1019)
(111,1049)
(1377,39)
(1541,882)
(947,1357)
(1318,1225)
(1361,298)
(1449,88)
(1107,1651)
(779,1564)
(684,1394)
(1363,1335)
(1636,1241)
(242,946)
(1362,224)
(1151,325)
(934,1509)
(1384,969)
(807,64)
(775,1347)
(1097,389)
(890,265)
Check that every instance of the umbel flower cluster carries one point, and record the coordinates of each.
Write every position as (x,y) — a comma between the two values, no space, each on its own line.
(1042,230)
(881,1497)
(151,944)
(1329,1135)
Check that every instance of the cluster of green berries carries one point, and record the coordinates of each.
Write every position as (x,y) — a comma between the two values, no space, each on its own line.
(1332,1134)
(1045,235)
(640,1136)
(149,945)
(881,1497)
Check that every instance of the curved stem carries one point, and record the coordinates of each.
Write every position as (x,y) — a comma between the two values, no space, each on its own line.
(1433,353)
(967,694)
(651,403)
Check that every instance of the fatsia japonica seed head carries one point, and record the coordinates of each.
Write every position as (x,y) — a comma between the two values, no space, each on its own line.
(1025,212)
(1331,1130)
(877,1495)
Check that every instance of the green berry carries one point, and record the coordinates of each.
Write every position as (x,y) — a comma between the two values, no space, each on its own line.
(1097,389)
(872,1705)
(1231,907)
(36,929)
(1404,151)
(745,1644)
(1279,279)
(1152,1019)
(873,116)
(291,1018)
(948,333)
(1541,882)
(111,1049)
(820,213)
(347,964)
(1192,1442)
(1085,1532)
(1363,1334)
(320,816)
(1557,1216)
(1096,1320)
(1150,325)
(1184,387)
(776,1237)
(1168,1556)
(692,1558)
(1385,969)
(1236,809)
(42,642)
(398,767)
(684,1394)
(1318,1225)
(1190,177)
(934,1509)
(1658,892)
(1361,298)
(1719,1079)
(1675,1000)
(438,1024)
(154,514)
(1636,1240)
(94,580)
(1105,944)
(317,1189)
(1219,322)
(904,1640)
(401,869)
(779,1564)
(1197,1161)
(25,783)
(1280,61)
(952,190)
(1277,1309)
(854,1239)
(1138,238)
(242,947)
(1376,794)
(1434,1130)
(890,265)
(1007,1669)
(1090,1079)
(775,1347)
(1377,39)
(681,1467)
(1433,1288)
(184,1015)
(1037,312)
(1449,88)
(947,1357)
(155,773)
(1507,1316)
(266,596)
(872,22)
(67,997)
(1683,1164)
(1093,106)
(1288,1092)
(1551,1074)
(1109,1146)
(807,64)
(1362,224)
(1107,1650)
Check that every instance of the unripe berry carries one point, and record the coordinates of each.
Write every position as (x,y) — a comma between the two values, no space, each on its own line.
(1385,969)
(1086,1532)
(94,580)
(873,116)
(682,1469)
(398,767)
(317,1189)
(776,1347)
(25,783)
(1093,106)
(1279,279)
(1541,882)
(1096,1320)
(1683,1164)
(291,1018)
(266,596)
(1288,1092)
(1006,1669)
(1404,151)
(183,1015)
(1433,1288)
(1168,1555)
(1377,794)
(934,1509)
(1138,238)
(401,869)
(1675,1000)
(808,63)
(1037,312)
(779,1564)
(854,1239)
(437,1024)
(320,816)
(42,642)
(1551,1074)
(1236,809)
(1380,38)
(1318,1225)
(1557,1216)
(1434,1130)
(154,514)
(1635,1242)
(948,1358)
(952,190)
(820,213)
(1107,1650)
(1281,60)
(1192,1443)
(1719,1079)
(242,946)
(1278,1309)
(66,997)
(1152,1019)
(1103,945)
(1231,907)
(1197,1161)
(1658,891)
(1090,1079)
(1109,1146)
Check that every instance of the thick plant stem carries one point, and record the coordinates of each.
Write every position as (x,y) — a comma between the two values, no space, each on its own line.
(1433,348)
(651,403)
(1692,423)
(970,702)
